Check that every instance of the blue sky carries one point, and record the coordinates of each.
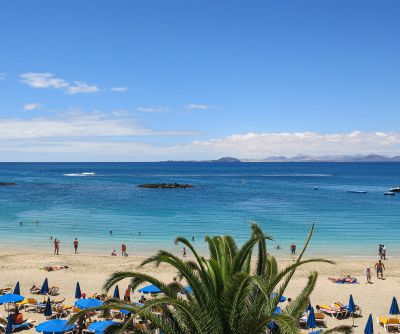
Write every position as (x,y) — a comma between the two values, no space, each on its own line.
(150,80)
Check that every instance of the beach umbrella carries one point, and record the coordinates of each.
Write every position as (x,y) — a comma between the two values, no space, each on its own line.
(9,327)
(150,289)
(99,327)
(116,292)
(17,290)
(311,323)
(369,327)
(78,293)
(54,326)
(186,289)
(47,309)
(11,298)
(88,303)
(394,308)
(351,308)
(277,310)
(281,300)
(44,290)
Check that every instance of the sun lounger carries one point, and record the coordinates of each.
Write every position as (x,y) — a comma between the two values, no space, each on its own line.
(333,311)
(319,319)
(27,324)
(3,291)
(30,305)
(389,323)
(339,305)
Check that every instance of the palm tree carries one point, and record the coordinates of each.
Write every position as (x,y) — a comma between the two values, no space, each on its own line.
(229,297)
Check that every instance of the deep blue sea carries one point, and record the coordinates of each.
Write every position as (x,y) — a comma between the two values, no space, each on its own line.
(225,199)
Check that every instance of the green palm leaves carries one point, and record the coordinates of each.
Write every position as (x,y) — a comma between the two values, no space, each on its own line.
(231,295)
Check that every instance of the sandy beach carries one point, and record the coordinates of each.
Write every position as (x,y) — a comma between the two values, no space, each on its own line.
(91,270)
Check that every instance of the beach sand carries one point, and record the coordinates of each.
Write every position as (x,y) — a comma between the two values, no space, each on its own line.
(91,270)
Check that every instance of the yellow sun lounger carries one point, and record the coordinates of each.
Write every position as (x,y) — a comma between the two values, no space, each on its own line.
(388,323)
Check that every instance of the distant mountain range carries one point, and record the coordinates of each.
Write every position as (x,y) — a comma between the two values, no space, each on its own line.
(328,158)
(310,158)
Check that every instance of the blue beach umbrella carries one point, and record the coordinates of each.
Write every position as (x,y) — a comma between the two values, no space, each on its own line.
(277,310)
(281,300)
(9,327)
(88,303)
(99,327)
(44,290)
(150,289)
(394,308)
(17,290)
(311,323)
(369,327)
(11,298)
(54,326)
(116,292)
(351,308)
(78,293)
(186,289)
(47,309)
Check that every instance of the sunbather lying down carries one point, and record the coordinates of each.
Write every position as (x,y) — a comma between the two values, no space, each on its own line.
(54,268)
(343,279)
(53,291)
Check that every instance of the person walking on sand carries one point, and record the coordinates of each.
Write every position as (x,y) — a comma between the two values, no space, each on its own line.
(76,245)
(56,246)
(123,250)
(379,267)
(368,275)
(293,248)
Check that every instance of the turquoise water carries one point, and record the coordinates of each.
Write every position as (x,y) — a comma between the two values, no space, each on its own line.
(226,198)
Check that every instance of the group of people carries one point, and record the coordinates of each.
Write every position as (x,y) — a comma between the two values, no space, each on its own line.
(382,252)
(123,251)
(57,242)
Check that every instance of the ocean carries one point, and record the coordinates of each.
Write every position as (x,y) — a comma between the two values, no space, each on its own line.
(285,199)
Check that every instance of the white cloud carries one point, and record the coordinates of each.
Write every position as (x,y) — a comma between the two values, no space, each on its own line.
(260,145)
(74,124)
(119,89)
(48,80)
(32,106)
(194,106)
(152,109)
(2,76)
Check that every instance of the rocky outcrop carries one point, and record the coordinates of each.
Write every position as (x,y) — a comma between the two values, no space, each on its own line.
(165,185)
(3,184)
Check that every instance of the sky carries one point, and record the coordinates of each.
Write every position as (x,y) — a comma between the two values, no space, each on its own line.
(150,80)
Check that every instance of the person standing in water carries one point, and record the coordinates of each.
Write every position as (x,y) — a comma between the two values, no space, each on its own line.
(56,246)
(293,248)
(123,250)
(76,245)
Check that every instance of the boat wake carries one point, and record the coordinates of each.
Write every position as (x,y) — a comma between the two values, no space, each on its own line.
(81,174)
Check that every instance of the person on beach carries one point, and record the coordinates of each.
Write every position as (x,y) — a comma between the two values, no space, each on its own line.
(17,317)
(114,253)
(76,245)
(123,250)
(184,252)
(380,251)
(56,246)
(368,273)
(293,248)
(110,233)
(383,256)
(127,295)
(379,267)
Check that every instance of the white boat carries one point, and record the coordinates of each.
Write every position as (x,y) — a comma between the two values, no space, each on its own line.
(357,191)
(395,189)
(390,193)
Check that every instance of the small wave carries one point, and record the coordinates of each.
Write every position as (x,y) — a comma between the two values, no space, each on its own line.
(81,174)
(297,175)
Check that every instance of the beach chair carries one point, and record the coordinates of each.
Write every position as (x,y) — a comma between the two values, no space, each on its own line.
(319,319)
(388,323)
(338,313)
(27,324)
(30,304)
(3,291)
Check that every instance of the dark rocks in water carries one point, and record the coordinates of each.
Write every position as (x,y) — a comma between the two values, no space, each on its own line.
(7,184)
(165,185)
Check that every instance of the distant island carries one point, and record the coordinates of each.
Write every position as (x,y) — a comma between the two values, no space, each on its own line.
(306,158)
(165,185)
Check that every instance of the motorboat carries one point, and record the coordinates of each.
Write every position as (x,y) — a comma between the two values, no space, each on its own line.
(395,189)
(390,193)
(357,191)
